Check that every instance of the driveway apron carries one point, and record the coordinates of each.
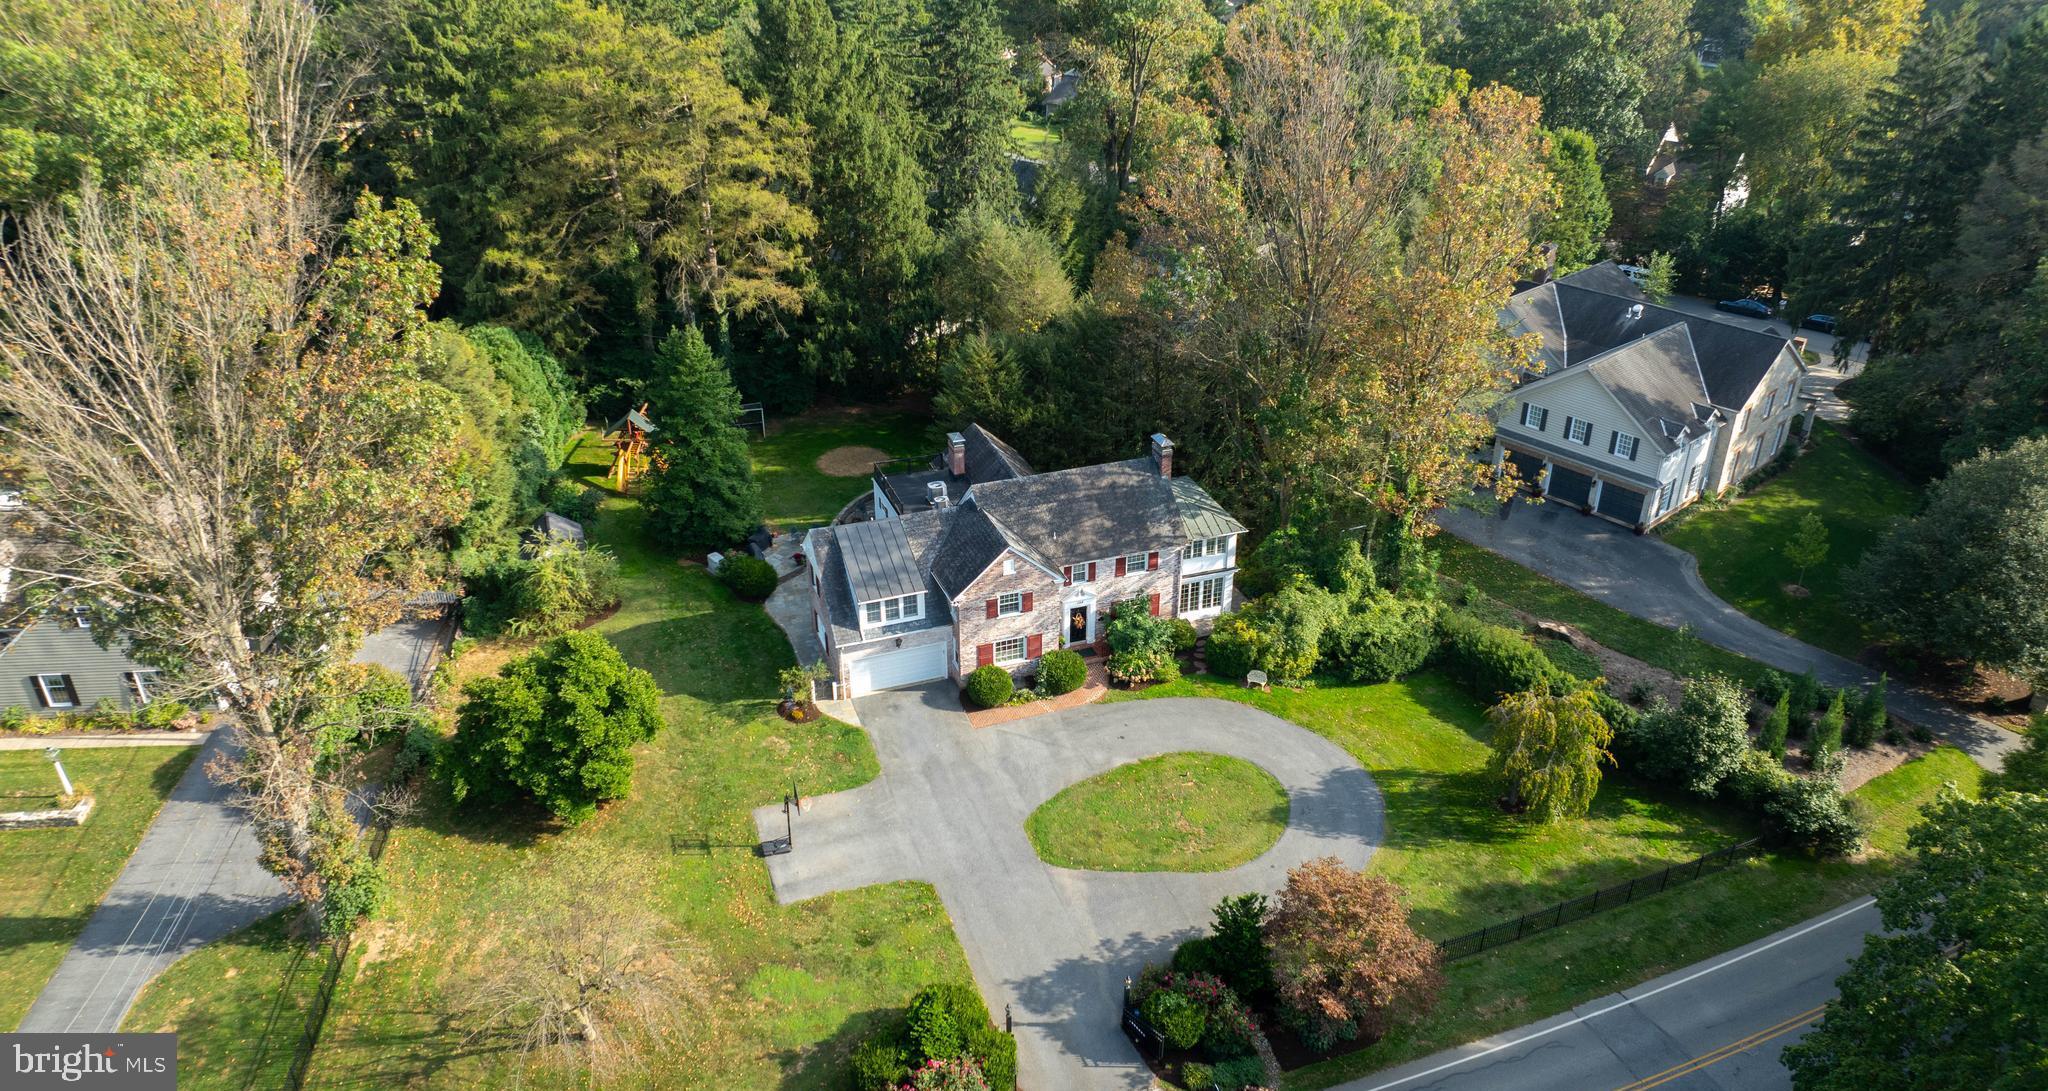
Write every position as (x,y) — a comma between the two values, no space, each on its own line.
(1659,582)
(1053,944)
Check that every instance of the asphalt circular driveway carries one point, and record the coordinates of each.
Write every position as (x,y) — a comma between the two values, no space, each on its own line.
(1052,943)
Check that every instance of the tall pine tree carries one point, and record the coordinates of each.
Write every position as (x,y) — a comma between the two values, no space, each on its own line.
(968,102)
(701,493)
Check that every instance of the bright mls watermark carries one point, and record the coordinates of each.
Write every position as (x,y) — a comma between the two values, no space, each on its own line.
(89,1062)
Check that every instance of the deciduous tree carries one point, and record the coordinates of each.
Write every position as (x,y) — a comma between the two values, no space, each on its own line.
(1346,961)
(1548,749)
(1808,546)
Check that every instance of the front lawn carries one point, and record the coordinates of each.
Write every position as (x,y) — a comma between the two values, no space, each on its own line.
(1175,812)
(1741,546)
(796,491)
(1032,138)
(52,880)
(1465,864)
(790,989)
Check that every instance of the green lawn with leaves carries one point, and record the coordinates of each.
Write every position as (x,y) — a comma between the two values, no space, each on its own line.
(790,988)
(1033,138)
(1465,864)
(52,880)
(795,491)
(1741,544)
(1175,812)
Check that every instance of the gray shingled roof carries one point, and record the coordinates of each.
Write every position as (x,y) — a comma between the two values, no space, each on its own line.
(1657,381)
(1087,513)
(921,532)
(988,459)
(880,563)
(1200,515)
(1586,314)
(972,541)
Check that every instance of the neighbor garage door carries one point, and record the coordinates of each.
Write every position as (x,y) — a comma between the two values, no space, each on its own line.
(897,667)
(1527,467)
(1624,505)
(1570,486)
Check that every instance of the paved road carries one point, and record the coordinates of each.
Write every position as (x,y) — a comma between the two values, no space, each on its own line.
(1055,944)
(1659,582)
(193,879)
(1719,1024)
(1825,344)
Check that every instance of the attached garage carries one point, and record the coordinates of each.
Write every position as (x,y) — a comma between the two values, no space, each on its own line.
(1529,468)
(1620,504)
(1569,486)
(893,667)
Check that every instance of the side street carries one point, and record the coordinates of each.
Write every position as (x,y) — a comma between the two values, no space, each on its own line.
(980,545)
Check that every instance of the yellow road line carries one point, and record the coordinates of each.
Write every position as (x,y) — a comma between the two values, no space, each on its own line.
(1731,1049)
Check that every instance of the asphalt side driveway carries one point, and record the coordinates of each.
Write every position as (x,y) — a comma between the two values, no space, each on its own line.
(1658,582)
(194,878)
(1051,943)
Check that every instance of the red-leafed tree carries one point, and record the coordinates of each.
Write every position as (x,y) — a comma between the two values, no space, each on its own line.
(1346,961)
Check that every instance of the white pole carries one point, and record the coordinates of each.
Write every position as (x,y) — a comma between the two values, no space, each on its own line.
(55,759)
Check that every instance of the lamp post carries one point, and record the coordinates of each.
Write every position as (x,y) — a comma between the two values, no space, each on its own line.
(56,757)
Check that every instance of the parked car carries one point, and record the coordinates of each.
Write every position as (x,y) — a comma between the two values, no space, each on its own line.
(1747,308)
(1825,323)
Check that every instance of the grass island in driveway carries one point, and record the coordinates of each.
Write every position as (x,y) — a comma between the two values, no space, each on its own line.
(1741,544)
(1175,812)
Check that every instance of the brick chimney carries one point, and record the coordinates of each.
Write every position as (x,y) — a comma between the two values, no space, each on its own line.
(956,454)
(1162,453)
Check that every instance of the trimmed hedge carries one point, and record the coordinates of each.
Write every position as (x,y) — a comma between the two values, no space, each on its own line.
(1061,671)
(1492,660)
(748,576)
(1236,644)
(990,686)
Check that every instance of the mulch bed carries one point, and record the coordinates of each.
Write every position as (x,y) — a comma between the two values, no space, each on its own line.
(850,461)
(799,712)
(1294,1053)
(601,615)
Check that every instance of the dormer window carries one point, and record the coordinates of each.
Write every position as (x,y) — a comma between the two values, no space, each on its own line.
(1205,547)
(890,611)
(82,616)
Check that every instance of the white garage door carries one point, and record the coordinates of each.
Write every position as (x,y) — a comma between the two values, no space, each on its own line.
(897,667)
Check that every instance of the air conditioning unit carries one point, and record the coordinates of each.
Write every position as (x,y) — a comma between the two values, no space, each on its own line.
(935,492)
(1635,312)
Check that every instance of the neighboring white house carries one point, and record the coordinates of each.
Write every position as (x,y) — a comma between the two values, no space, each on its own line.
(1641,409)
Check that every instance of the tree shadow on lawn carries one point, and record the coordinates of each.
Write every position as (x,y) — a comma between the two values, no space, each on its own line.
(432,1041)
(1504,899)
(823,1065)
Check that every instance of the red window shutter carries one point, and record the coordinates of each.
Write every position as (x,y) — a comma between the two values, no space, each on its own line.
(984,654)
(1119,566)
(1027,602)
(1067,573)
(1152,560)
(1091,571)
(1155,604)
(991,607)
(1034,645)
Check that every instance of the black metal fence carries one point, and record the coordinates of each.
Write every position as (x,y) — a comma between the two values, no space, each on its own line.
(1542,920)
(1139,1029)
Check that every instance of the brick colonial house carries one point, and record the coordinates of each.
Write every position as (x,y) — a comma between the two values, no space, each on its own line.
(975,559)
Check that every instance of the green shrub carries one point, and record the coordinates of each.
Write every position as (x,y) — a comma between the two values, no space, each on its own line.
(1240,1073)
(1619,716)
(1061,671)
(1240,956)
(1177,1018)
(1237,645)
(882,1062)
(1296,617)
(14,718)
(1184,635)
(990,686)
(1772,738)
(1196,1076)
(996,1052)
(936,1025)
(1772,686)
(1141,645)
(747,576)
(1196,956)
(1385,638)
(1827,735)
(416,752)
(1490,660)
(1871,718)
(1811,813)
(1696,745)
(1806,697)
(158,715)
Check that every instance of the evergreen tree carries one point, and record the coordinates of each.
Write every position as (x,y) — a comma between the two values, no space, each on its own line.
(1772,738)
(1871,717)
(1580,224)
(795,55)
(1827,737)
(968,101)
(701,493)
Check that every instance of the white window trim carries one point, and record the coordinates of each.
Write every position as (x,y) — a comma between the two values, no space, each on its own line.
(1023,648)
(43,688)
(1136,562)
(1614,446)
(909,607)
(141,680)
(1571,431)
(1206,547)
(1195,585)
(1005,607)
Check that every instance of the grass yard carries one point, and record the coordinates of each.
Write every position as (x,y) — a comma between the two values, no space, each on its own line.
(1175,812)
(796,492)
(1032,138)
(790,989)
(1513,585)
(239,1006)
(1464,864)
(52,880)
(1741,545)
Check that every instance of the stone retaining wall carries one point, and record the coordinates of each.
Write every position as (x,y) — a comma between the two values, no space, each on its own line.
(73,815)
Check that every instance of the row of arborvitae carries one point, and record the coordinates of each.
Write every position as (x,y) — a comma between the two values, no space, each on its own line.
(1554,732)
(944,1041)
(1332,960)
